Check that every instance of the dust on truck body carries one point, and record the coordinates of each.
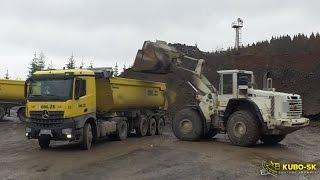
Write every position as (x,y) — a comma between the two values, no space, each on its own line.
(12,95)
(84,105)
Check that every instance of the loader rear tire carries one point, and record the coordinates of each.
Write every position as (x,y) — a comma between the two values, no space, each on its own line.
(272,139)
(187,125)
(143,126)
(243,129)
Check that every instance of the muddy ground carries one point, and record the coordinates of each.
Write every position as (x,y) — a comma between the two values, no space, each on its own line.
(158,157)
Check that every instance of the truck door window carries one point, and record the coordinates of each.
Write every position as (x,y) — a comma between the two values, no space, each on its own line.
(227,84)
(80,88)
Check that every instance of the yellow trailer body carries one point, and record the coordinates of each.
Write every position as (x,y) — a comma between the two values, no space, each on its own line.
(12,90)
(118,94)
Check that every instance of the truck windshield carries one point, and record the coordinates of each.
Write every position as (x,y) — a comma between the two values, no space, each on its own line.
(50,89)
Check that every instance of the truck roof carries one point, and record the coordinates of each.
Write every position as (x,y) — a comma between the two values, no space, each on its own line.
(234,71)
(66,71)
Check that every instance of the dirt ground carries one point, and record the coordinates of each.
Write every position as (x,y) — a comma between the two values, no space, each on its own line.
(158,157)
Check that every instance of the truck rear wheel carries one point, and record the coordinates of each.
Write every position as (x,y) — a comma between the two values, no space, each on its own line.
(22,114)
(242,128)
(152,127)
(143,126)
(87,136)
(44,142)
(272,139)
(187,125)
(122,130)
(2,113)
(160,126)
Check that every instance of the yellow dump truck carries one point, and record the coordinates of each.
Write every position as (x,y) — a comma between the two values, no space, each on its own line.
(12,95)
(84,105)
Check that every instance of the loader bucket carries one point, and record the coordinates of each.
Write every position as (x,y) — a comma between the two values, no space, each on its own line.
(156,57)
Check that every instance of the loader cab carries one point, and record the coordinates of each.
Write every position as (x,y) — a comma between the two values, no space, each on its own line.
(234,84)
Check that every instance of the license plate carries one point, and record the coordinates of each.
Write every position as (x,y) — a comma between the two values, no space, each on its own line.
(45,131)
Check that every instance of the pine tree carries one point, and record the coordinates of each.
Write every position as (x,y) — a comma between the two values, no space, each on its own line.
(37,63)
(115,70)
(82,64)
(41,61)
(90,65)
(71,62)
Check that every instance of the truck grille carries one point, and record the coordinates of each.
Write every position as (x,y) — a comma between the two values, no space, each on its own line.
(295,108)
(47,123)
(52,115)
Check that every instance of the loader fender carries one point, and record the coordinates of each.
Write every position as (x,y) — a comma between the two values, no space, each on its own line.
(244,104)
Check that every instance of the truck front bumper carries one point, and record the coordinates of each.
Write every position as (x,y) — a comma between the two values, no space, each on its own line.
(65,130)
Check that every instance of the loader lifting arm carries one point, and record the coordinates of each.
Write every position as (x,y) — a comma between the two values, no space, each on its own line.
(160,58)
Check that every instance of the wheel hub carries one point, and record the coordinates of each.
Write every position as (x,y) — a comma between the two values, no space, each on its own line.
(240,129)
(186,126)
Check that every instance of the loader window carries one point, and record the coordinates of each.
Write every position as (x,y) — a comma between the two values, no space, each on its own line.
(80,88)
(227,84)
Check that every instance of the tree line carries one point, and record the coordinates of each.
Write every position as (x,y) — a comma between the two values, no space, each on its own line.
(38,63)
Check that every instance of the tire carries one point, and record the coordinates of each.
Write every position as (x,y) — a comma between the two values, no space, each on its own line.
(272,139)
(152,127)
(2,113)
(210,134)
(122,130)
(160,126)
(243,129)
(44,142)
(187,125)
(143,126)
(22,114)
(87,137)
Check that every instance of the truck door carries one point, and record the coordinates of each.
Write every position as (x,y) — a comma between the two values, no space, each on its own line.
(80,92)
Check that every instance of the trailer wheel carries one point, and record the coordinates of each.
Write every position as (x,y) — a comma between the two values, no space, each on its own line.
(143,126)
(242,128)
(2,113)
(22,114)
(152,127)
(87,136)
(272,139)
(160,126)
(187,125)
(122,130)
(44,142)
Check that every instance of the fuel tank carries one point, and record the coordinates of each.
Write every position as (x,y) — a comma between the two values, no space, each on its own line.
(121,94)
(11,90)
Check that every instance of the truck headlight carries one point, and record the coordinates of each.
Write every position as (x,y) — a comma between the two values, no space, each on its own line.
(67,132)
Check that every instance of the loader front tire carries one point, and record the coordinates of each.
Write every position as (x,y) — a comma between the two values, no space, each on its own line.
(243,129)
(187,125)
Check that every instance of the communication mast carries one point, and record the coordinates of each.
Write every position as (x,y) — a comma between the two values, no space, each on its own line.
(237,26)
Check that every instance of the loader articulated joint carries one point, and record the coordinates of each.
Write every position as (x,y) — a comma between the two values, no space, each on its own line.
(243,104)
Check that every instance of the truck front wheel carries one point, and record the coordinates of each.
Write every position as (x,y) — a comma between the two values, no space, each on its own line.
(272,139)
(44,142)
(87,136)
(22,114)
(243,129)
(187,125)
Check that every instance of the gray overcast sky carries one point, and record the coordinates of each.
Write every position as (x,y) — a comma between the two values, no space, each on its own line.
(107,32)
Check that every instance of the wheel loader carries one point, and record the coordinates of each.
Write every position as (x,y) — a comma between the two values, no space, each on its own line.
(236,108)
